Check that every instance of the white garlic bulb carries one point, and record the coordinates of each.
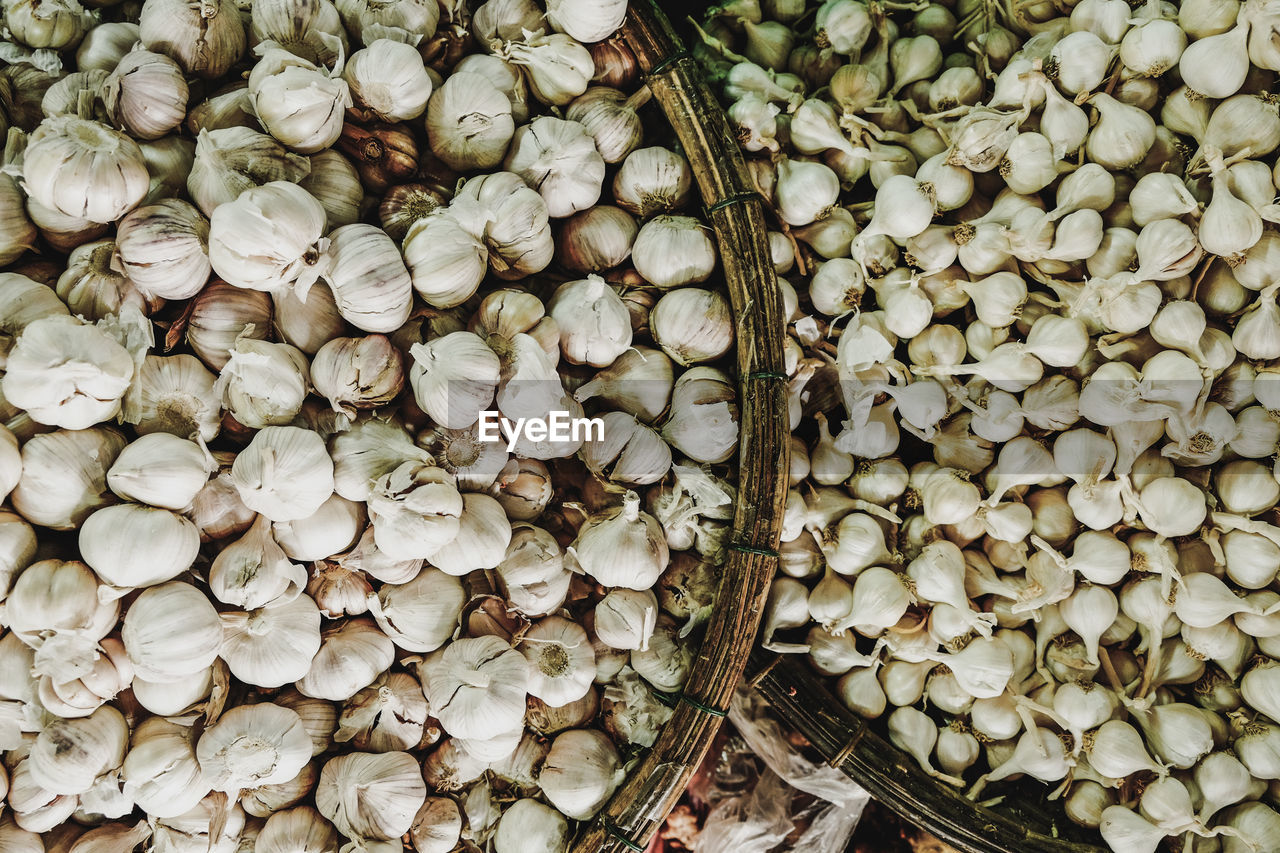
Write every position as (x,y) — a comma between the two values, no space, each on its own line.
(560,161)
(268,237)
(82,168)
(171,632)
(133,545)
(469,122)
(285,473)
(595,326)
(161,470)
(388,81)
(272,646)
(671,251)
(581,772)
(253,745)
(421,614)
(371,287)
(477,687)
(297,102)
(163,249)
(624,547)
(263,383)
(371,796)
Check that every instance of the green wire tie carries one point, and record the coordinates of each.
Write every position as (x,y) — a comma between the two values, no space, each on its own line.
(614,832)
(747,549)
(737,198)
(668,62)
(706,709)
(767,375)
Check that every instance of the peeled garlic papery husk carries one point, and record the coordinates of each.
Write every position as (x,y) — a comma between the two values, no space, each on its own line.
(581,772)
(252,745)
(692,325)
(272,646)
(161,470)
(557,67)
(560,161)
(160,771)
(477,686)
(255,572)
(371,796)
(268,238)
(622,547)
(68,755)
(469,123)
(171,632)
(67,373)
(163,249)
(421,614)
(652,180)
(262,383)
(64,476)
(85,169)
(670,251)
(285,473)
(231,160)
(110,539)
(298,103)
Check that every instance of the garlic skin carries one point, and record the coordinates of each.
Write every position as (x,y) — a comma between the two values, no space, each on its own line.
(692,325)
(109,541)
(253,745)
(652,181)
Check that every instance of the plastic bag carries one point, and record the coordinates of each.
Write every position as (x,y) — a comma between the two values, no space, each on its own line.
(767,817)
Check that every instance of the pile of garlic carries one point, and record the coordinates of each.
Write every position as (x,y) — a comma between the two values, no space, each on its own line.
(265,583)
(1033,257)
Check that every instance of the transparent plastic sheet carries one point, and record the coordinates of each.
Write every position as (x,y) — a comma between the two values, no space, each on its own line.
(766,817)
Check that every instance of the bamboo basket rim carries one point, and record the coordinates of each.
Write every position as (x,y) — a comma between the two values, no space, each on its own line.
(736,213)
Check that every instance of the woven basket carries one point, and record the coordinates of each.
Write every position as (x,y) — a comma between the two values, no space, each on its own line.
(634,813)
(1023,821)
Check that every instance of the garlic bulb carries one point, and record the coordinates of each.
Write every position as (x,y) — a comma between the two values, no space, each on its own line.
(477,687)
(285,473)
(528,826)
(652,180)
(358,373)
(81,168)
(371,286)
(69,754)
(146,94)
(562,664)
(625,547)
(272,646)
(557,67)
(469,122)
(252,745)
(560,161)
(580,773)
(110,537)
(171,632)
(454,378)
(284,253)
(163,249)
(230,160)
(692,325)
(64,476)
(595,327)
(388,81)
(352,654)
(254,571)
(296,102)
(220,314)
(371,796)
(421,614)
(670,251)
(67,373)
(173,394)
(205,40)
